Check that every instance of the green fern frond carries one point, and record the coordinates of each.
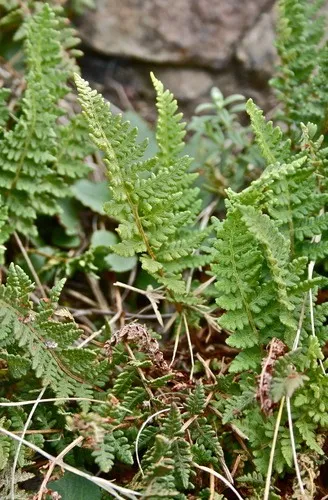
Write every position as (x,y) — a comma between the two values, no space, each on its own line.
(269,138)
(159,481)
(170,130)
(205,438)
(196,401)
(114,445)
(4,111)
(39,340)
(30,183)
(303,67)
(180,448)
(153,200)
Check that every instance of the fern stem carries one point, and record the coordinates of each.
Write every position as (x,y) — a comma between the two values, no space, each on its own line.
(26,426)
(141,374)
(212,484)
(141,229)
(299,326)
(29,264)
(273,449)
(52,400)
(293,445)
(248,311)
(316,239)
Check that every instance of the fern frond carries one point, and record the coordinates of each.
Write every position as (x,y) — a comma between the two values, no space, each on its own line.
(196,401)
(153,200)
(159,480)
(180,448)
(114,445)
(4,111)
(39,340)
(30,183)
(269,138)
(170,130)
(303,68)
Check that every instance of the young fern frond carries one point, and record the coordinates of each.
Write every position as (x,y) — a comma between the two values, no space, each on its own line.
(153,200)
(159,481)
(269,138)
(170,130)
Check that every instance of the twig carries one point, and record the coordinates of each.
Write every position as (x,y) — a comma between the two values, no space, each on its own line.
(233,427)
(176,342)
(96,290)
(207,369)
(50,400)
(152,295)
(292,442)
(39,431)
(219,476)
(91,337)
(299,328)
(190,347)
(212,484)
(26,426)
(273,449)
(140,432)
(81,297)
(55,462)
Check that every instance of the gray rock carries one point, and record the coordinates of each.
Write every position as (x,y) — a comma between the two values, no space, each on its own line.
(257,51)
(186,84)
(197,32)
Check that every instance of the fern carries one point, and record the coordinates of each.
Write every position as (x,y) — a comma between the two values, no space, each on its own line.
(303,68)
(32,339)
(269,138)
(260,262)
(196,402)
(115,444)
(33,174)
(159,481)
(152,199)
(179,448)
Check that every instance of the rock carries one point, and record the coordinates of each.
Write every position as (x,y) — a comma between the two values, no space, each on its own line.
(257,51)
(186,84)
(198,32)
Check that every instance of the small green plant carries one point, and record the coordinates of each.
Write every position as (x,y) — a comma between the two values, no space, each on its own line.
(223,148)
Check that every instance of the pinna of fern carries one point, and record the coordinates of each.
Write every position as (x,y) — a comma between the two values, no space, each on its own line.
(34,171)
(153,200)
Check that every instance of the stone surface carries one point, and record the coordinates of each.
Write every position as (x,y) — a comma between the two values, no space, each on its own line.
(257,50)
(198,32)
(186,84)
